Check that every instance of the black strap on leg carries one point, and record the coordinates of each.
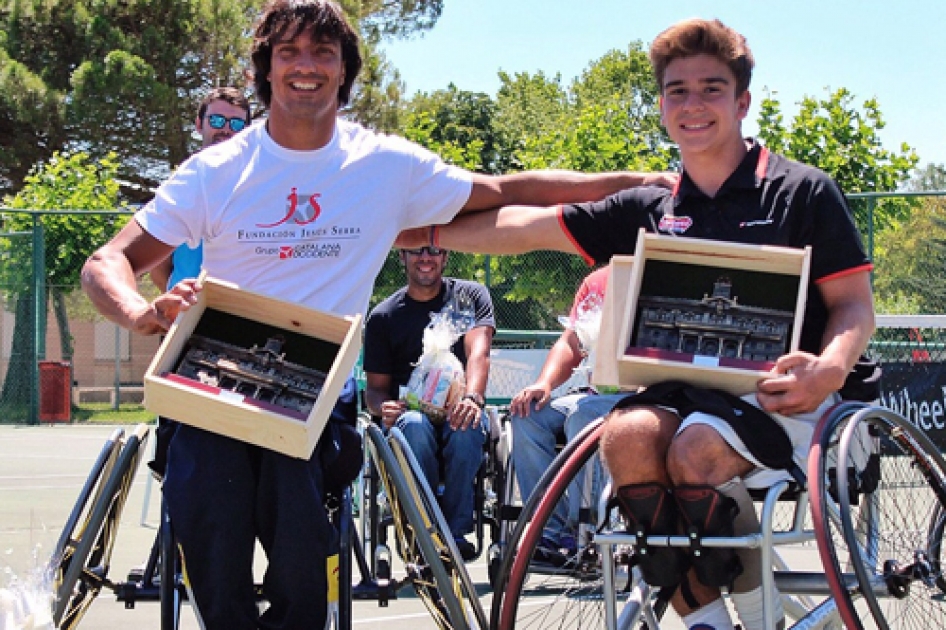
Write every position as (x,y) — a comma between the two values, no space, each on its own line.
(708,513)
(649,509)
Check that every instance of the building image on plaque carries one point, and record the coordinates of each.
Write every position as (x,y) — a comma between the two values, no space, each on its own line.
(715,326)
(260,373)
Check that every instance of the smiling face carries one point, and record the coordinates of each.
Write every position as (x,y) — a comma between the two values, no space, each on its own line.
(424,272)
(700,109)
(305,75)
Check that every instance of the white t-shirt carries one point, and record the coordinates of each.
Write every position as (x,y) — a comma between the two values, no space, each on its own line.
(310,227)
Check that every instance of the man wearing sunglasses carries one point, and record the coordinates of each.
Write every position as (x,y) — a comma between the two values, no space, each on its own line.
(303,207)
(449,452)
(223,113)
(222,105)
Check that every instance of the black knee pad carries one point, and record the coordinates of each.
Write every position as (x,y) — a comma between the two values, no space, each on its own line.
(709,514)
(649,509)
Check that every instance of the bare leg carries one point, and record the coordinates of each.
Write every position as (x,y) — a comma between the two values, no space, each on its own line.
(635,444)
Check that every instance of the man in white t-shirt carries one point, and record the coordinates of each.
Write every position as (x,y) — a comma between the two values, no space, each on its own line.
(303,206)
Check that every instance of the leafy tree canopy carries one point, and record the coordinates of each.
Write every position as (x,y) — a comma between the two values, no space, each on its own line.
(610,120)
(126,77)
(910,257)
(844,141)
(835,136)
(66,181)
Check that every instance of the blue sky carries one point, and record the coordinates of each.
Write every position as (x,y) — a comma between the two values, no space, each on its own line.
(892,51)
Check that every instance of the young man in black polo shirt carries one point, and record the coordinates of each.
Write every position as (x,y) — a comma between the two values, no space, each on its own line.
(735,190)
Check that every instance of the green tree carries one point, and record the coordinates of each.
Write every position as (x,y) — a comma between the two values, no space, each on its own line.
(610,120)
(607,119)
(126,77)
(119,77)
(376,97)
(910,258)
(837,137)
(66,181)
(456,124)
(527,106)
(381,19)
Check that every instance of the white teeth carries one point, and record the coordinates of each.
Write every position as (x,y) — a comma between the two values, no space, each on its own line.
(306,86)
(702,126)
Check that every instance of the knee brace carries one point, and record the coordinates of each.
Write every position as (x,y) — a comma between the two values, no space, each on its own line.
(649,509)
(708,514)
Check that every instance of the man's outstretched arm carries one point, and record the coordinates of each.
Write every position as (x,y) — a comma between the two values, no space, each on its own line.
(509,230)
(550,187)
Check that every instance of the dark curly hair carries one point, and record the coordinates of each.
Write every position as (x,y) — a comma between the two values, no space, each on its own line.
(288,18)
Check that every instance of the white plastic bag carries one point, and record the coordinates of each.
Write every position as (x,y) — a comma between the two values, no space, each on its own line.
(438,380)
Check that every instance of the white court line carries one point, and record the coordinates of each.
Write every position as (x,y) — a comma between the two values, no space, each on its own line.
(57,458)
(49,476)
(60,487)
(423,615)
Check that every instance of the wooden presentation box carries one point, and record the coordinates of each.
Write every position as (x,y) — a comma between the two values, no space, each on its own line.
(710,313)
(286,344)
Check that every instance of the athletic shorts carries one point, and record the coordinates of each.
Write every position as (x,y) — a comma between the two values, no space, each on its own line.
(799,429)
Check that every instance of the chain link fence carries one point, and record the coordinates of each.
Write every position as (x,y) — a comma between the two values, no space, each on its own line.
(50,332)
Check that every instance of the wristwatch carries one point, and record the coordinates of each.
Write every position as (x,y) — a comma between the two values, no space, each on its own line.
(476,398)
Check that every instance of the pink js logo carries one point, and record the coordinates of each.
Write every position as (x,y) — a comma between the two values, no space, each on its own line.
(285,251)
(302,210)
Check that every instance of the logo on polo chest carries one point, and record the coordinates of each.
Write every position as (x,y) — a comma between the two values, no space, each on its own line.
(674,225)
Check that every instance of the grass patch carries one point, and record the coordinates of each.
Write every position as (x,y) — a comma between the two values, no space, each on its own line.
(103,413)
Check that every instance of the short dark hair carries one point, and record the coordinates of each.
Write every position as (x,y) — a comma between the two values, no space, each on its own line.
(290,17)
(703,37)
(228,94)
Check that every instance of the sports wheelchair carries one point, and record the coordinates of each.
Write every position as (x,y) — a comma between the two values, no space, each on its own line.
(487,495)
(873,502)
(423,540)
(81,560)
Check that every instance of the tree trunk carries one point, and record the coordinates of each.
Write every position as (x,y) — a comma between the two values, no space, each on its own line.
(18,384)
(66,347)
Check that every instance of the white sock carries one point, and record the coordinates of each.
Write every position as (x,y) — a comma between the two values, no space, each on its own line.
(749,608)
(712,616)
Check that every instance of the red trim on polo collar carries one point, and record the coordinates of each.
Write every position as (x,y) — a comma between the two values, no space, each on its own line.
(763,163)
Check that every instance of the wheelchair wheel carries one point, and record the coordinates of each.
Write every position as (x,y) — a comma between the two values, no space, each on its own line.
(170,589)
(507,503)
(825,510)
(888,513)
(566,595)
(459,582)
(81,559)
(426,551)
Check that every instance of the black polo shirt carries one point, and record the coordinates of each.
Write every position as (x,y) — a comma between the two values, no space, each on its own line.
(768,200)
